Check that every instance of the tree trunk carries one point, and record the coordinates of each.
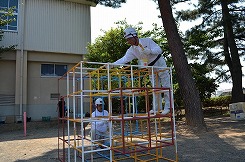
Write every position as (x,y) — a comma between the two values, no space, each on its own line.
(236,70)
(227,53)
(190,94)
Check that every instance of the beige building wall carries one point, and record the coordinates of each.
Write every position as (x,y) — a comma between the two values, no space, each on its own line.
(56,26)
(49,32)
(7,84)
(7,74)
(35,97)
(51,26)
(40,88)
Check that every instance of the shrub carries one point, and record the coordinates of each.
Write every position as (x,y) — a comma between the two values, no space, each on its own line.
(223,101)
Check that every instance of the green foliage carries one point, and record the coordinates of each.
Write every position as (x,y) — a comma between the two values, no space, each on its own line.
(205,84)
(205,40)
(7,13)
(217,101)
(112,46)
(109,3)
(107,48)
(3,22)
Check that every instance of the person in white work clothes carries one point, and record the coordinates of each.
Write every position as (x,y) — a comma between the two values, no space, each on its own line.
(146,50)
(99,129)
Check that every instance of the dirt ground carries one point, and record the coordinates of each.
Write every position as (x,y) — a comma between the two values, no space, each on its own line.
(224,142)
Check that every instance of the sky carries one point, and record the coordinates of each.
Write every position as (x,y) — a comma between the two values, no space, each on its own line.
(134,11)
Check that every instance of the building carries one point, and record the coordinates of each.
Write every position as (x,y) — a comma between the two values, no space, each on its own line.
(50,37)
(227,92)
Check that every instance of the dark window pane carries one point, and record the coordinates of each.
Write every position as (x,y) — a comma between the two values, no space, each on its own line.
(13,3)
(3,27)
(3,3)
(60,70)
(12,28)
(47,70)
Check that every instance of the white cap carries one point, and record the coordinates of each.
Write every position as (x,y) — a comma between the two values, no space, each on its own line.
(129,32)
(99,101)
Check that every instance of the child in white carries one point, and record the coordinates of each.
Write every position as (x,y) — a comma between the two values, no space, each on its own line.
(99,129)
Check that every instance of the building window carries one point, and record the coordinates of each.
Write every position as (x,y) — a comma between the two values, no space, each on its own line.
(53,69)
(5,5)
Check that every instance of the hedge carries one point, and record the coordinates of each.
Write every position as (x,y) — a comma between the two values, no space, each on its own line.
(223,101)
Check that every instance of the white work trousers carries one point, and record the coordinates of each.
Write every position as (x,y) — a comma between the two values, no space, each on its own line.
(102,136)
(162,80)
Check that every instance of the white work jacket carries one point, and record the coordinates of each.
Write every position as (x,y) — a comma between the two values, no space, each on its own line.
(100,126)
(135,52)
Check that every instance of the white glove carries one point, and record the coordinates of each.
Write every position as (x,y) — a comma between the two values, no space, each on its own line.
(108,67)
(146,51)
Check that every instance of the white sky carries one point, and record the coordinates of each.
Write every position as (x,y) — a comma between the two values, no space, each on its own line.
(134,11)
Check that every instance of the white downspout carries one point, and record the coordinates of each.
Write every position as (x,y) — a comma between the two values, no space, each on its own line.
(22,53)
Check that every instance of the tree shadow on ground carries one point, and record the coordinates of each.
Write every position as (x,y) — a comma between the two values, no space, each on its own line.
(224,141)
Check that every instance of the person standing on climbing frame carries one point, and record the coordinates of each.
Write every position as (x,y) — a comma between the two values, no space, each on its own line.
(150,53)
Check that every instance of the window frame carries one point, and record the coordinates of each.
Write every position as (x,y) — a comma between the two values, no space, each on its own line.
(54,69)
(4,10)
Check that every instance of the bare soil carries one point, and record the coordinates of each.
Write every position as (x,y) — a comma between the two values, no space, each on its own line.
(223,142)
